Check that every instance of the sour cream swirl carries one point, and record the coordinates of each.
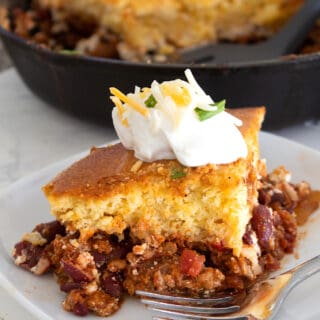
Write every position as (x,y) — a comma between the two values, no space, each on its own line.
(162,122)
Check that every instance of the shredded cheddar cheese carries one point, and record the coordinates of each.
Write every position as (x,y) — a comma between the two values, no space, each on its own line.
(132,103)
(179,94)
(137,165)
(121,110)
(145,93)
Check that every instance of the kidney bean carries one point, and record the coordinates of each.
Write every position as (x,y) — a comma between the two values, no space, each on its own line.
(79,309)
(99,258)
(262,224)
(119,252)
(264,197)
(20,246)
(50,230)
(112,284)
(31,253)
(247,237)
(278,197)
(68,286)
(74,272)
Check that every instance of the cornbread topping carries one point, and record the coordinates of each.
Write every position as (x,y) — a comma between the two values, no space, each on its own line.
(177,120)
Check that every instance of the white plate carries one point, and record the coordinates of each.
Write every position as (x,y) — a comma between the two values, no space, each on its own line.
(23,205)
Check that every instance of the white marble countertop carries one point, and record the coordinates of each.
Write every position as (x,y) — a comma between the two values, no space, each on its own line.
(33,135)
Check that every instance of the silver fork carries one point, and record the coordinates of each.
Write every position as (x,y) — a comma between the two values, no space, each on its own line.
(263,299)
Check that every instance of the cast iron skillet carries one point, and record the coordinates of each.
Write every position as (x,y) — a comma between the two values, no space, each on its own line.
(288,86)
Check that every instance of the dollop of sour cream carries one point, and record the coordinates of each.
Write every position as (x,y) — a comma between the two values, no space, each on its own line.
(177,120)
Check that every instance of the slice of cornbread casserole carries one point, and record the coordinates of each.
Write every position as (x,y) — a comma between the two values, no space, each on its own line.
(183,205)
(111,190)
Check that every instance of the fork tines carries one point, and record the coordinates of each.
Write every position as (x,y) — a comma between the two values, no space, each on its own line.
(192,301)
(175,307)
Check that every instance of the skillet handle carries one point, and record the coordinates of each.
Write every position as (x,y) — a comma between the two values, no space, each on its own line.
(292,35)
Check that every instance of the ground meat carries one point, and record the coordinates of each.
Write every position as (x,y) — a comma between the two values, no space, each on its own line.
(80,303)
(91,272)
(61,33)
(102,304)
(75,302)
(165,273)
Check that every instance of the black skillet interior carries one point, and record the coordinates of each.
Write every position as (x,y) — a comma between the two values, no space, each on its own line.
(79,85)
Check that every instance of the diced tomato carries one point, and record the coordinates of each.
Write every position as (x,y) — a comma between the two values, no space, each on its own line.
(191,263)
(217,246)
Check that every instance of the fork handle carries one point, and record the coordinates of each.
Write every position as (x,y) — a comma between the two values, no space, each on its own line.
(305,270)
(294,32)
(298,274)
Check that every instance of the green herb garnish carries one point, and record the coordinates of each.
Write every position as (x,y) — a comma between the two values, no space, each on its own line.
(69,52)
(177,173)
(151,101)
(207,114)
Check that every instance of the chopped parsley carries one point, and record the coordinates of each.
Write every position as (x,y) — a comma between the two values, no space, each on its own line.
(207,114)
(151,102)
(177,173)
(70,52)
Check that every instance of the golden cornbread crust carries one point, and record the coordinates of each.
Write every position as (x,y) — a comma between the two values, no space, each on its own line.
(110,190)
